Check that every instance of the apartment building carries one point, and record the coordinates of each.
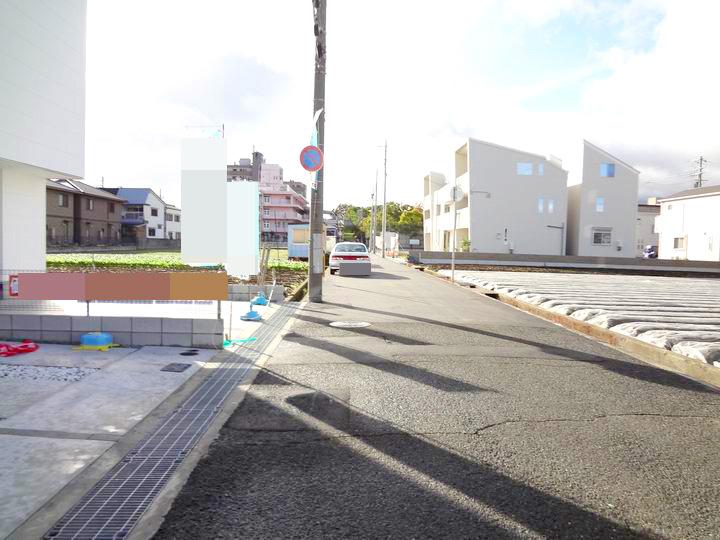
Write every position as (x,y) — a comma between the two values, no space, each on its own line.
(280,206)
(602,209)
(77,213)
(688,225)
(645,231)
(282,203)
(42,119)
(510,201)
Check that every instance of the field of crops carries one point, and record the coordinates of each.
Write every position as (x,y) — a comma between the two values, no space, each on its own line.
(147,260)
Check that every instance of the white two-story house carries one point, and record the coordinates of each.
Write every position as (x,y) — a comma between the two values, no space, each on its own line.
(509,201)
(602,209)
(689,225)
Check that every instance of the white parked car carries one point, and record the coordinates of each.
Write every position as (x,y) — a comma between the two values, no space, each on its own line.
(350,253)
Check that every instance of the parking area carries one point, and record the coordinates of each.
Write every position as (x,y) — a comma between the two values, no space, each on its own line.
(677,314)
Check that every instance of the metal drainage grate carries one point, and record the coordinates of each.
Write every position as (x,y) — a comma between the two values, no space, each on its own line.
(116,503)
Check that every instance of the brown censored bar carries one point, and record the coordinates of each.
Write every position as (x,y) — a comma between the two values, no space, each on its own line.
(123,286)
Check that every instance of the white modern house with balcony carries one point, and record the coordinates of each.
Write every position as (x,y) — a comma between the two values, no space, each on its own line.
(602,208)
(689,226)
(510,201)
(42,119)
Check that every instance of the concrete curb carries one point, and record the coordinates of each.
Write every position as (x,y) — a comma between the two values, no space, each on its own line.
(650,354)
(154,516)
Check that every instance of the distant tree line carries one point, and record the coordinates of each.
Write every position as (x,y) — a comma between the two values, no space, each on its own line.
(356,221)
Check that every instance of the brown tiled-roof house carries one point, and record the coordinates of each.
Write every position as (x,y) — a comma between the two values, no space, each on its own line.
(80,214)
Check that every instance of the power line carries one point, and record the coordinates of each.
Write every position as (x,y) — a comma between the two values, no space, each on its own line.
(701,162)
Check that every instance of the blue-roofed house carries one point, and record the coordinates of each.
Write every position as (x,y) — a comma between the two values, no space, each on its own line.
(144,214)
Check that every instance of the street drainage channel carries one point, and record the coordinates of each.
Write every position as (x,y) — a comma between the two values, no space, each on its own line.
(113,507)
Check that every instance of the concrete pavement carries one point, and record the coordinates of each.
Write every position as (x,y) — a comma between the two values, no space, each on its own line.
(453,415)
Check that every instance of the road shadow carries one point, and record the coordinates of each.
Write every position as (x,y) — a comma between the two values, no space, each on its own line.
(278,476)
(407,371)
(639,371)
(537,510)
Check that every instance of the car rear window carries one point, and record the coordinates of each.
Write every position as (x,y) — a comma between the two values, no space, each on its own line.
(351,248)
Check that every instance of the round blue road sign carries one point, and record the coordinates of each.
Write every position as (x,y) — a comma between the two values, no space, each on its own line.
(311,158)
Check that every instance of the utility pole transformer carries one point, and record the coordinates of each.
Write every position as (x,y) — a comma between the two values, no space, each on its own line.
(316,253)
(701,169)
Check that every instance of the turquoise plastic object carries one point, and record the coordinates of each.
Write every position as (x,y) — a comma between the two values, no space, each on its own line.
(251,315)
(229,342)
(260,299)
(96,339)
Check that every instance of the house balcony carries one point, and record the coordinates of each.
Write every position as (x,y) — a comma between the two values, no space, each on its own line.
(133,218)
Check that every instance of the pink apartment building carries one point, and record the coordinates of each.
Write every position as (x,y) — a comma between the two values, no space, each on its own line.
(280,205)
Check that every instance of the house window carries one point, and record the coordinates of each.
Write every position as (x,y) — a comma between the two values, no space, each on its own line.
(541,169)
(154,212)
(266,199)
(177,218)
(177,236)
(447,208)
(63,200)
(524,168)
(151,232)
(541,205)
(266,212)
(551,206)
(111,208)
(266,225)
(170,234)
(601,237)
(52,233)
(427,214)
(437,209)
(607,170)
(679,243)
(89,204)
(600,204)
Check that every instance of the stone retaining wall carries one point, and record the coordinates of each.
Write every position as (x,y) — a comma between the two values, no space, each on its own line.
(126,331)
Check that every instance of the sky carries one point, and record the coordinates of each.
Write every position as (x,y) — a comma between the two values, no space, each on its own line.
(639,78)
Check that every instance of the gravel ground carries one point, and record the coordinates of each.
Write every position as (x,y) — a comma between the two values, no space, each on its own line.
(44,373)
(678,314)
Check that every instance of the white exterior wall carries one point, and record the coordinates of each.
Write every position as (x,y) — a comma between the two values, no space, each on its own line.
(154,222)
(42,118)
(432,183)
(645,234)
(620,207)
(243,215)
(173,226)
(22,207)
(504,200)
(271,175)
(42,84)
(695,220)
(204,190)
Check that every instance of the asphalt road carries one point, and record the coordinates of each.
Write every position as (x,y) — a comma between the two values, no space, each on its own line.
(453,415)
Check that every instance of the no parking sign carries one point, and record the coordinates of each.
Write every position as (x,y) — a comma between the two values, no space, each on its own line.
(311,158)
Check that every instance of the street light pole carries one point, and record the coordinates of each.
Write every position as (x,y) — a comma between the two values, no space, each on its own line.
(316,255)
(384,218)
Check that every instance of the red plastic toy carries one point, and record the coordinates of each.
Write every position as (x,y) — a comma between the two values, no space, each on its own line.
(27,346)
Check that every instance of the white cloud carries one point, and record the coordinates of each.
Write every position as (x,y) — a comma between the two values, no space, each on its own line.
(412,71)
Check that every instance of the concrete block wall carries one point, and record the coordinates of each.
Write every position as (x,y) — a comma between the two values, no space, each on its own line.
(126,331)
(243,293)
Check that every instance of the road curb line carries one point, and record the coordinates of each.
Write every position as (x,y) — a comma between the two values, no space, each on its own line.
(692,368)
(154,516)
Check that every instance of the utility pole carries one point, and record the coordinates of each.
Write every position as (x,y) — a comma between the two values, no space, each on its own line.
(373,225)
(316,255)
(384,217)
(700,170)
